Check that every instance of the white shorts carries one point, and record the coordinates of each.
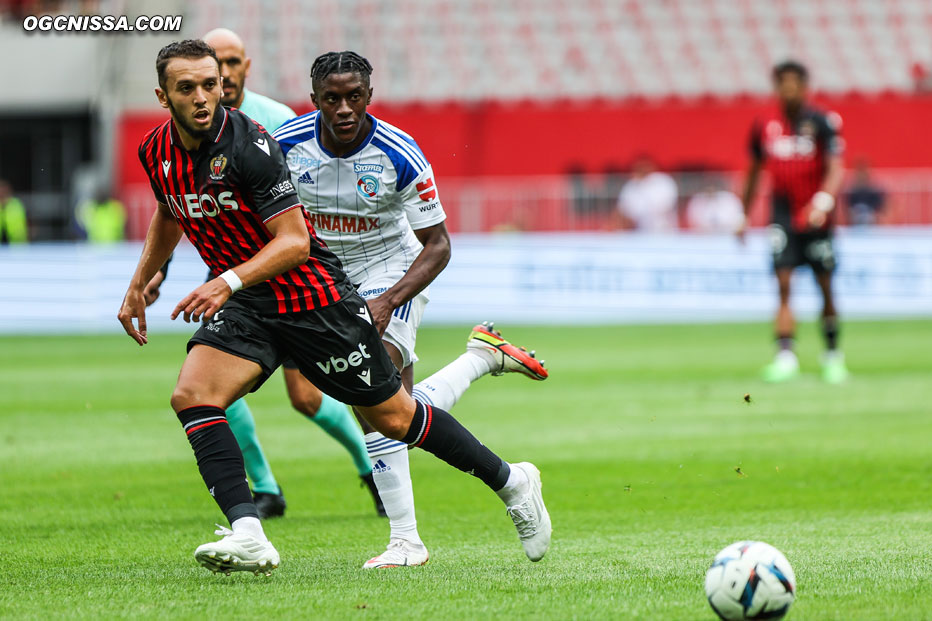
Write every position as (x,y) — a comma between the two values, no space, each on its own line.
(402,329)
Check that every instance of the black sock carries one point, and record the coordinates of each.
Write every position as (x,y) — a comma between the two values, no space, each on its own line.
(785,342)
(219,459)
(830,332)
(437,432)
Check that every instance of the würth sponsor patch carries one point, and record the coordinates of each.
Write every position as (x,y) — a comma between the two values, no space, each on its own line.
(426,190)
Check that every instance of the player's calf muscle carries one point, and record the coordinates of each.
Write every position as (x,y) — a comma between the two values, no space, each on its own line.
(391,418)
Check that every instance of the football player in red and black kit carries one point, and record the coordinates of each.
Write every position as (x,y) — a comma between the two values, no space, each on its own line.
(801,148)
(276,292)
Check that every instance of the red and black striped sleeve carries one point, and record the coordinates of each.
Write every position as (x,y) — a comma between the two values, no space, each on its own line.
(146,147)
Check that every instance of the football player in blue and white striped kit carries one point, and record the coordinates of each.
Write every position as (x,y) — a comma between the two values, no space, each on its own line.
(371,197)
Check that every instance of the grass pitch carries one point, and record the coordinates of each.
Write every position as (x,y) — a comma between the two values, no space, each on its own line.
(651,458)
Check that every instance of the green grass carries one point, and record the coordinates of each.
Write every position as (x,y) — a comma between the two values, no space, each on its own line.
(638,433)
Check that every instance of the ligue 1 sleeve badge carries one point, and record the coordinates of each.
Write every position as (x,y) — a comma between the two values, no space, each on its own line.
(217,166)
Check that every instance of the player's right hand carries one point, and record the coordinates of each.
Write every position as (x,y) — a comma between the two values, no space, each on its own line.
(134,307)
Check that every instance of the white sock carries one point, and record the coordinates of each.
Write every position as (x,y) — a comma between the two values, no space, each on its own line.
(250,526)
(445,387)
(392,476)
(515,487)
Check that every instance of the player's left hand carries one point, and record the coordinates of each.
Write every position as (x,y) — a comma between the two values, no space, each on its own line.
(381,311)
(204,301)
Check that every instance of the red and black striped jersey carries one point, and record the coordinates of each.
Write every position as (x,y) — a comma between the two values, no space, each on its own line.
(795,152)
(224,193)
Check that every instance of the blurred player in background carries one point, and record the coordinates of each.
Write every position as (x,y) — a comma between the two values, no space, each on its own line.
(371,197)
(13,226)
(801,148)
(331,415)
(276,292)
(234,68)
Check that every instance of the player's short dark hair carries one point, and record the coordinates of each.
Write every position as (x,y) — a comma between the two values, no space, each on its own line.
(339,62)
(189,48)
(791,66)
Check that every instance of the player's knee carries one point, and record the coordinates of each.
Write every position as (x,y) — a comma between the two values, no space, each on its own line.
(180,399)
(393,426)
(185,396)
(305,401)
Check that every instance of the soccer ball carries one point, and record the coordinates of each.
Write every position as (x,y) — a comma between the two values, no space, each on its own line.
(750,580)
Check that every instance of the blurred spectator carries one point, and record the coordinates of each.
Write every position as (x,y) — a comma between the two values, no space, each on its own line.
(922,79)
(13,228)
(865,199)
(584,198)
(714,209)
(103,219)
(648,200)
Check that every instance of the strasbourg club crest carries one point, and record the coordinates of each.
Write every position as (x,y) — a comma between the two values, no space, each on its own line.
(368,186)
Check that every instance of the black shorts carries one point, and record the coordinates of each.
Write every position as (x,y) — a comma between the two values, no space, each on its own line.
(792,249)
(336,347)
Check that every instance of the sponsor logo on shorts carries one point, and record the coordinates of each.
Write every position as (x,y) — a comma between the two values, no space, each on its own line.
(339,365)
(216,322)
(368,293)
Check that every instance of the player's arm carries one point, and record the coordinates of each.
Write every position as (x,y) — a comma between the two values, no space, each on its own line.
(823,202)
(264,179)
(752,177)
(289,247)
(153,289)
(425,268)
(161,238)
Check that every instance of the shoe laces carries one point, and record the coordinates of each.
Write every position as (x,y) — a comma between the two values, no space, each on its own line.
(223,531)
(524,518)
(395,545)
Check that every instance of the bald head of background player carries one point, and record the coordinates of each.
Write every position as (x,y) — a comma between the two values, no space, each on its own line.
(791,83)
(341,91)
(235,67)
(189,88)
(234,64)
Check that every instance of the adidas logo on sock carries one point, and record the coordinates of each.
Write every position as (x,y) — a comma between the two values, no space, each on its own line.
(380,467)
(306,178)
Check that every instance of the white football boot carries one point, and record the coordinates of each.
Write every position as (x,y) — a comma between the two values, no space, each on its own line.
(530,515)
(508,358)
(399,553)
(237,552)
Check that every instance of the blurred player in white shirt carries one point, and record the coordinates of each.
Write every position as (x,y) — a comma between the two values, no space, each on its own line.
(714,210)
(648,200)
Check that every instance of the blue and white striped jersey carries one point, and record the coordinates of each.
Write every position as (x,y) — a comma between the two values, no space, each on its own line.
(367,204)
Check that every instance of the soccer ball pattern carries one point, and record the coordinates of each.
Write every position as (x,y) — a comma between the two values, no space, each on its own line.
(750,580)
